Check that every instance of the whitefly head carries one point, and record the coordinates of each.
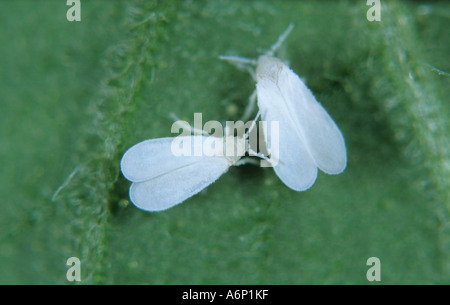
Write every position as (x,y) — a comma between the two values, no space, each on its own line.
(268,67)
(230,147)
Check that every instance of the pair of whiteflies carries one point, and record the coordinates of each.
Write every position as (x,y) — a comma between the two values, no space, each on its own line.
(309,140)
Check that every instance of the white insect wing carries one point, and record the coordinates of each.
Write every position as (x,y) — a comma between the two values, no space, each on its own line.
(295,166)
(162,180)
(308,137)
(322,136)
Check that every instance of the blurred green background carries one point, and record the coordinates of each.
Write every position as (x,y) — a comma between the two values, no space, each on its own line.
(76,95)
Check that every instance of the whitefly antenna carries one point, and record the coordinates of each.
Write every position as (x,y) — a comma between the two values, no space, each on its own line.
(238,60)
(280,40)
(242,63)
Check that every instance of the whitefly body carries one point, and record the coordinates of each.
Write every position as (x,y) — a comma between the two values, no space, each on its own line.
(308,137)
(161,179)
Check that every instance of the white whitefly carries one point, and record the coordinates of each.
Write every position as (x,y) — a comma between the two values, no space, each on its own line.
(309,139)
(162,180)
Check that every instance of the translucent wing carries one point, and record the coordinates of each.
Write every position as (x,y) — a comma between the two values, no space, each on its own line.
(308,137)
(324,140)
(295,166)
(172,188)
(161,179)
(154,157)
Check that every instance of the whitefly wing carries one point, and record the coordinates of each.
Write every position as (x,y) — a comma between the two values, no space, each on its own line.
(154,157)
(295,166)
(172,188)
(161,179)
(322,136)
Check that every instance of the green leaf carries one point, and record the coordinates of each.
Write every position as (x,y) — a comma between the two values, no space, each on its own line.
(77,95)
